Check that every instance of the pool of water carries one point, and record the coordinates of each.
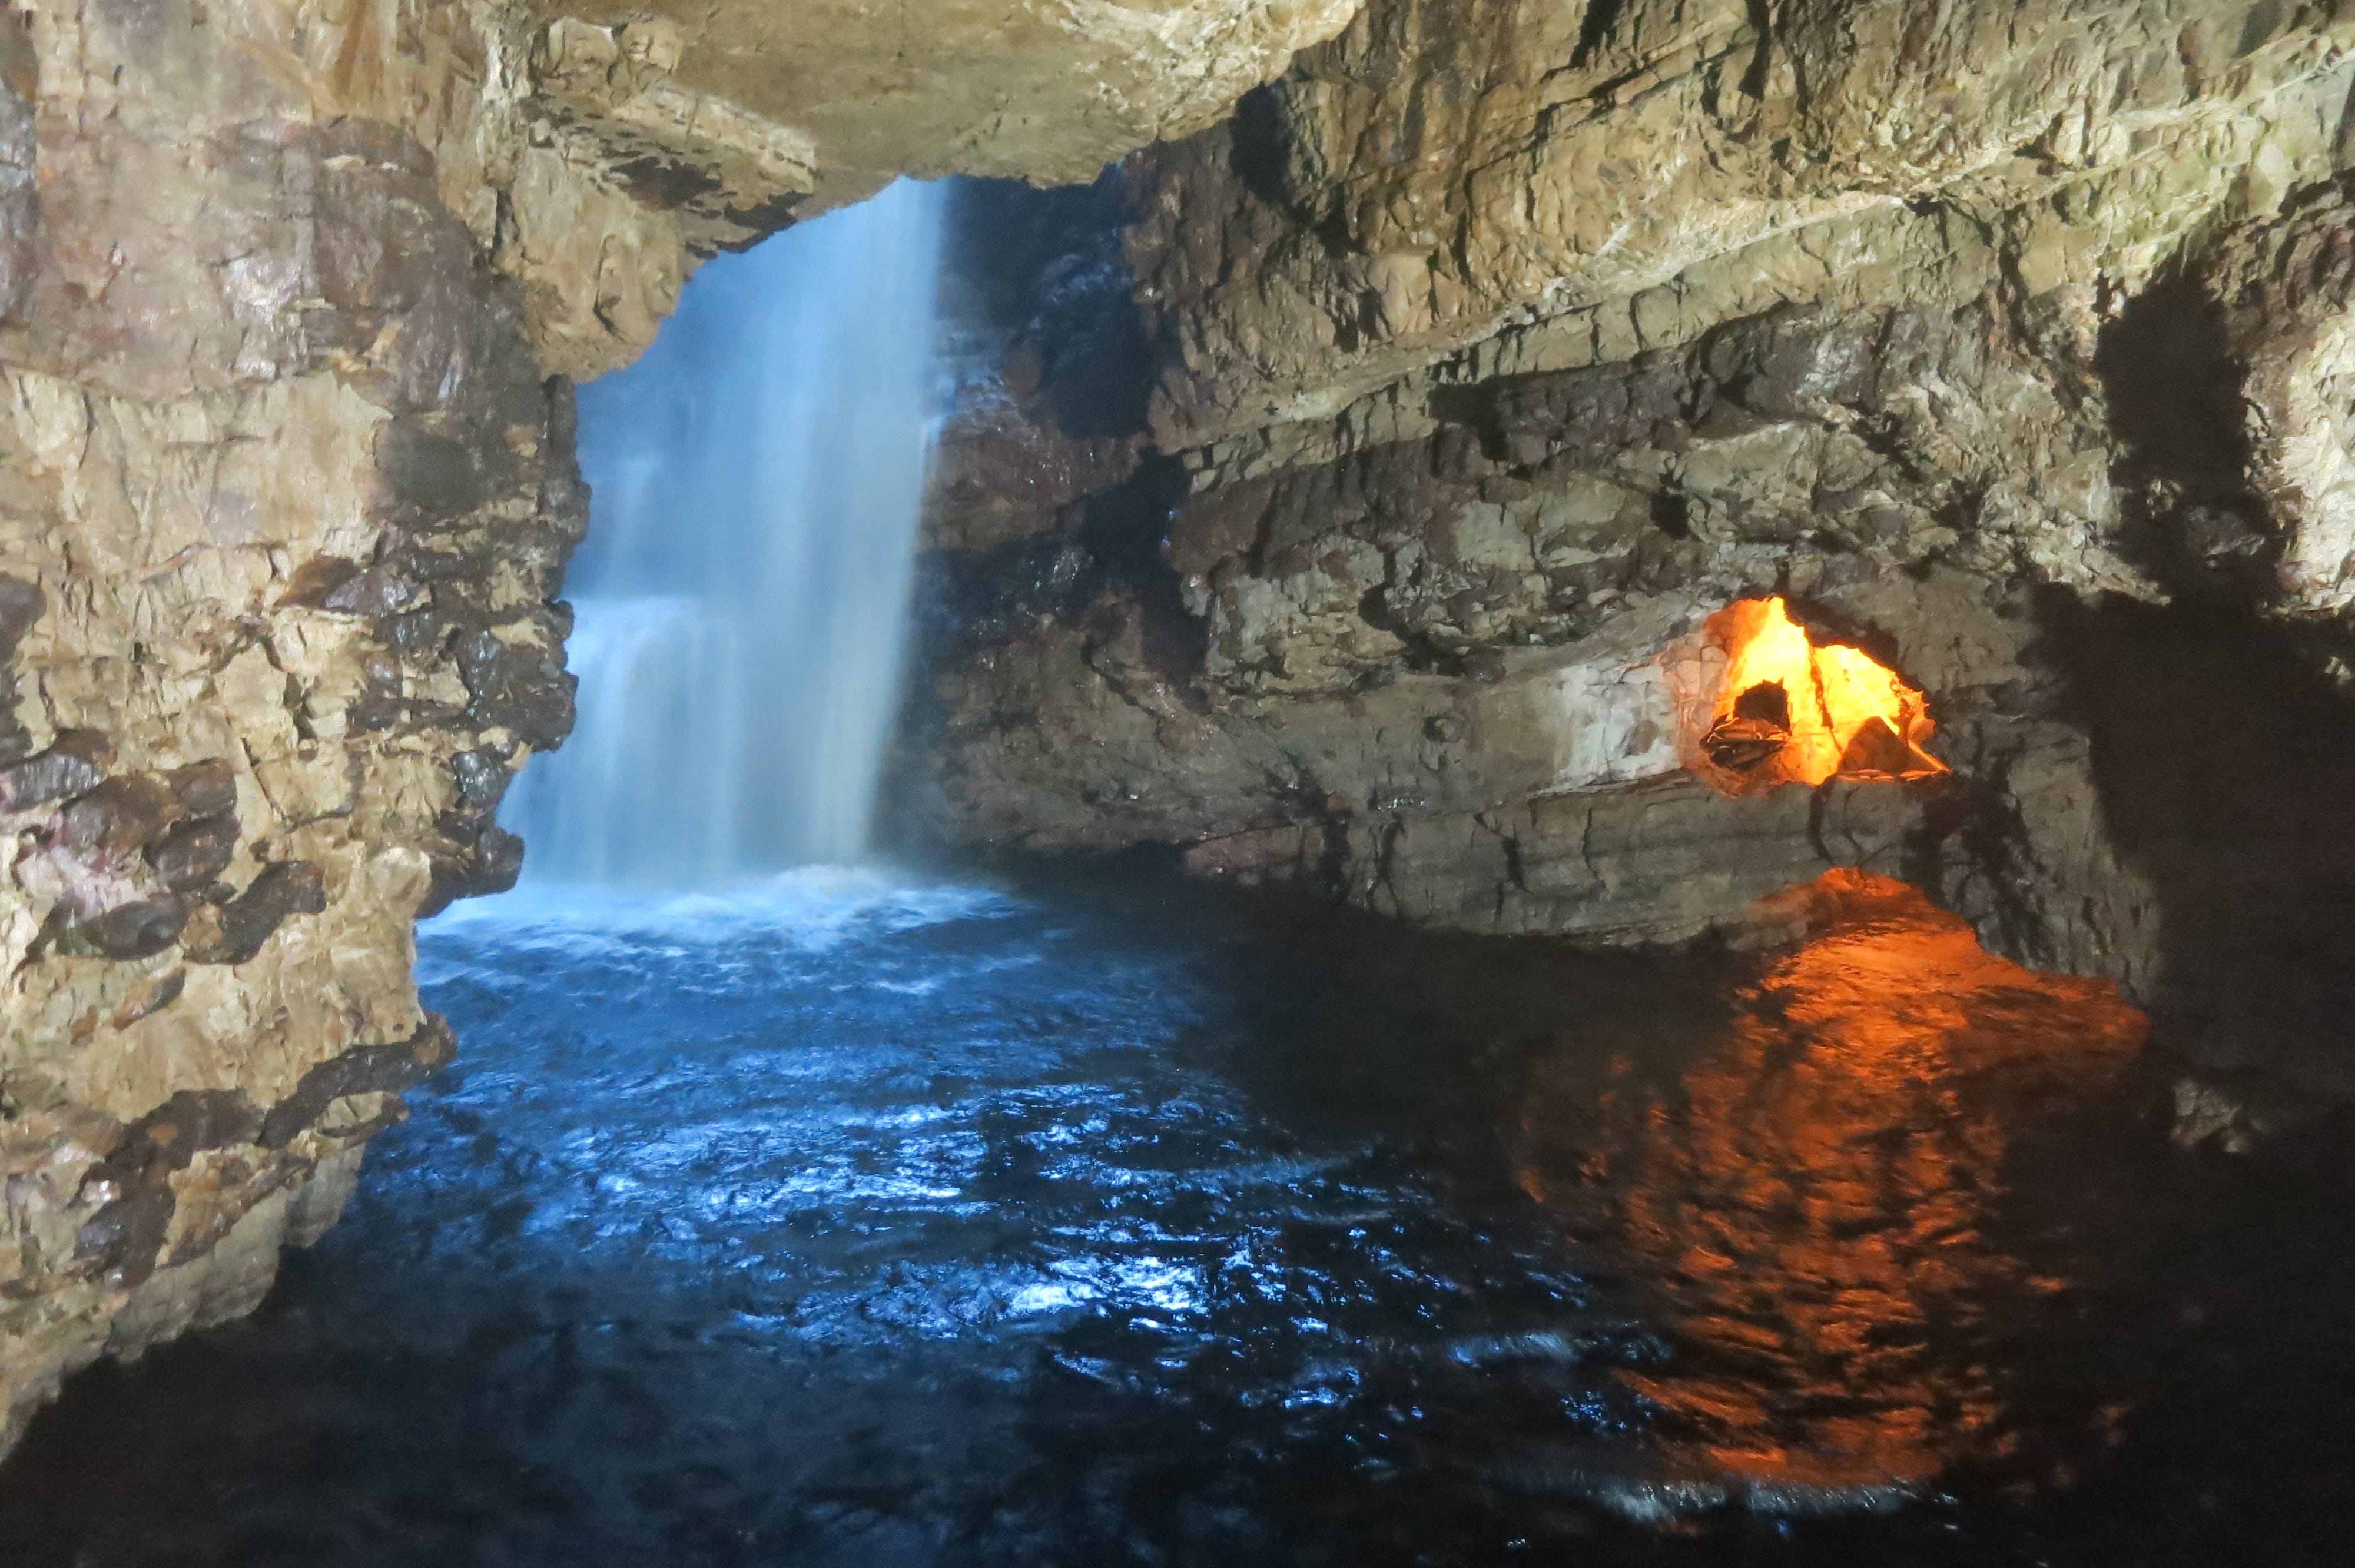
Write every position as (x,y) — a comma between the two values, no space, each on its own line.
(861,1221)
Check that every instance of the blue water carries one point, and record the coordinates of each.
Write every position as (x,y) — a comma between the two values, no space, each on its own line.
(856,1220)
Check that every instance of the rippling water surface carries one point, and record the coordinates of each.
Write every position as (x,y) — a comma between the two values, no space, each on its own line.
(858,1223)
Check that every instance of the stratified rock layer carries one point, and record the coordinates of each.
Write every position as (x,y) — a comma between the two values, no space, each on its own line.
(1452,172)
(1501,343)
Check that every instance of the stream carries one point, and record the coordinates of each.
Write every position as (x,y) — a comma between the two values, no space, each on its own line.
(863,1219)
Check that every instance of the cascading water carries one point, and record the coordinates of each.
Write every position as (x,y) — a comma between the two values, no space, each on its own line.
(742,596)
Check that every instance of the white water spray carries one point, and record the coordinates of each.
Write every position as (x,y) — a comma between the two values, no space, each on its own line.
(742,598)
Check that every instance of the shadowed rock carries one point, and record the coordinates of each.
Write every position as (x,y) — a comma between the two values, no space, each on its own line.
(233,932)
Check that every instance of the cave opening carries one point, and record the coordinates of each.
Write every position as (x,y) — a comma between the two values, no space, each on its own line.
(1791,709)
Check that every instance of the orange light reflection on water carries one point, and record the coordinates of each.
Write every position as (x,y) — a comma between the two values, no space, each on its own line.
(1812,1199)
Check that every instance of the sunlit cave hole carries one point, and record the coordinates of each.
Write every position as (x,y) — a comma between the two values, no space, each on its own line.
(1793,709)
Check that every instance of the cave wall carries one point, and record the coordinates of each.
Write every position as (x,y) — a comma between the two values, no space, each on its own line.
(1497,343)
(286,496)
(1477,358)
(293,293)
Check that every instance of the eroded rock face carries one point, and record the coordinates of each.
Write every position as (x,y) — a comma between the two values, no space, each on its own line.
(1501,343)
(290,294)
(285,499)
(1429,655)
(2281,291)
(732,118)
(1449,171)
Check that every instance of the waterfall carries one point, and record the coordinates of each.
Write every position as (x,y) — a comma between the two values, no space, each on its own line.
(742,595)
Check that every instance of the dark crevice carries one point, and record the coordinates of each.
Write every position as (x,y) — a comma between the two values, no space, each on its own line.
(1594,29)
(1045,270)
(2220,754)
(2174,395)
(1125,531)
(1256,149)
(1754,80)
(1672,515)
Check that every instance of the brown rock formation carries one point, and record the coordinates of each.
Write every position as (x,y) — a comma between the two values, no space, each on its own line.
(1501,343)
(1453,173)
(1042,89)
(286,497)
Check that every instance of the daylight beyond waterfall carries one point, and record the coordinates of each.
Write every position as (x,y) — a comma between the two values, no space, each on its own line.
(742,595)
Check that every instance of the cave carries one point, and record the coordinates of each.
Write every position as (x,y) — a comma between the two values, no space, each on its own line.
(1183,782)
(1791,710)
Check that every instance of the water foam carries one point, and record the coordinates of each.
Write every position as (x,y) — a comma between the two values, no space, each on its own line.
(813,908)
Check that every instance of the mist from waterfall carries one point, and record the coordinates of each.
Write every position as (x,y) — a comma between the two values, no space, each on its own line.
(742,596)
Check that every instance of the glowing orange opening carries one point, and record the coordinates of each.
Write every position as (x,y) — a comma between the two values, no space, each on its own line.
(1794,711)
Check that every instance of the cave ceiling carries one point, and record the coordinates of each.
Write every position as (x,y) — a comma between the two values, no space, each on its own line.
(1044,89)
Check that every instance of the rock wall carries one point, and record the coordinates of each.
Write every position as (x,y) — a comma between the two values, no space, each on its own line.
(286,499)
(290,294)
(1480,359)
(1499,344)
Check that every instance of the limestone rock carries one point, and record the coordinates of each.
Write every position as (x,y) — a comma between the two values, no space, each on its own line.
(1044,89)
(2284,288)
(715,124)
(1447,171)
(274,456)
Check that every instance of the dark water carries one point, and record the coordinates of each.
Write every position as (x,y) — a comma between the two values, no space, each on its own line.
(1104,1225)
